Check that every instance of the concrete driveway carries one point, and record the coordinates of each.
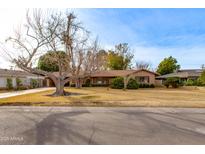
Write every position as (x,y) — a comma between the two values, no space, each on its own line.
(75,125)
(22,92)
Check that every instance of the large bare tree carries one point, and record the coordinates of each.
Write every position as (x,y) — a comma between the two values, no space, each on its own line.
(51,31)
(95,59)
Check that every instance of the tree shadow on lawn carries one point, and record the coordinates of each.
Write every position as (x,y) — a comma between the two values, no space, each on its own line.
(67,95)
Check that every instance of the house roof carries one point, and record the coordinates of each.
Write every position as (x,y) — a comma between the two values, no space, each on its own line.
(183,74)
(115,73)
(15,73)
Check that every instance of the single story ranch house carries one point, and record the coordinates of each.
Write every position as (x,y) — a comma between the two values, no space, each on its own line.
(141,75)
(104,78)
(24,77)
(184,75)
(101,78)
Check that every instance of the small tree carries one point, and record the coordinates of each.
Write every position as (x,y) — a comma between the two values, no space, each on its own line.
(201,79)
(9,83)
(117,83)
(121,58)
(168,65)
(49,61)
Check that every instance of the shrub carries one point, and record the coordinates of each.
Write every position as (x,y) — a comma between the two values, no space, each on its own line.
(146,85)
(152,86)
(117,83)
(140,85)
(22,87)
(173,81)
(18,83)
(34,83)
(166,84)
(189,82)
(87,83)
(132,84)
(199,82)
(99,85)
(72,84)
(9,83)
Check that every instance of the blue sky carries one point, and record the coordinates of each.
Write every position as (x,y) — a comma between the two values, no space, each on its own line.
(151,33)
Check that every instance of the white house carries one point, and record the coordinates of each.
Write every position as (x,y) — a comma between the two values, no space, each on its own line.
(25,78)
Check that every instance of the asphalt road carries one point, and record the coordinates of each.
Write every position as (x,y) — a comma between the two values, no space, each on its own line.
(75,125)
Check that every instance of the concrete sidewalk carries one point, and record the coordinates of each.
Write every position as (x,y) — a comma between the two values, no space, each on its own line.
(22,92)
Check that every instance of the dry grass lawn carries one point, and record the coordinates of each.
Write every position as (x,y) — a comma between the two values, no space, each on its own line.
(157,97)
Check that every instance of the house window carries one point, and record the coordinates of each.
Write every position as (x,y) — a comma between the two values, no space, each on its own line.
(99,82)
(142,79)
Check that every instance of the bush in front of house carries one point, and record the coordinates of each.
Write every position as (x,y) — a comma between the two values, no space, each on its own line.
(9,83)
(87,83)
(152,86)
(34,83)
(117,83)
(72,84)
(22,87)
(189,82)
(99,85)
(18,84)
(199,82)
(174,82)
(132,84)
(146,85)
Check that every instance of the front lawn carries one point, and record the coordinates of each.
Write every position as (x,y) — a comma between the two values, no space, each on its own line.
(157,97)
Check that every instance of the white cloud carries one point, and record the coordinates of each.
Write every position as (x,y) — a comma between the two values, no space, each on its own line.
(187,57)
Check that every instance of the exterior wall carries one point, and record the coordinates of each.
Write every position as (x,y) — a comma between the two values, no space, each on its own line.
(101,80)
(158,82)
(150,76)
(2,82)
(26,81)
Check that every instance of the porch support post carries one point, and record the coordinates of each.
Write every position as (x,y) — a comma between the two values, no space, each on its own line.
(125,82)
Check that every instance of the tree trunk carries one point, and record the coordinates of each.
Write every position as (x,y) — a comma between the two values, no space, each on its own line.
(59,84)
(78,83)
(125,83)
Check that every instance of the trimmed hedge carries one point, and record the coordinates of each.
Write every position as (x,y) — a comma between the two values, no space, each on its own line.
(146,85)
(99,85)
(132,84)
(117,83)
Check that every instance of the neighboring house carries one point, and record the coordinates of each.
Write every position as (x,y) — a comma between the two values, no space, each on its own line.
(141,75)
(23,76)
(183,74)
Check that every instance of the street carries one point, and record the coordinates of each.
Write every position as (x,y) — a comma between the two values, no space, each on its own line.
(90,125)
